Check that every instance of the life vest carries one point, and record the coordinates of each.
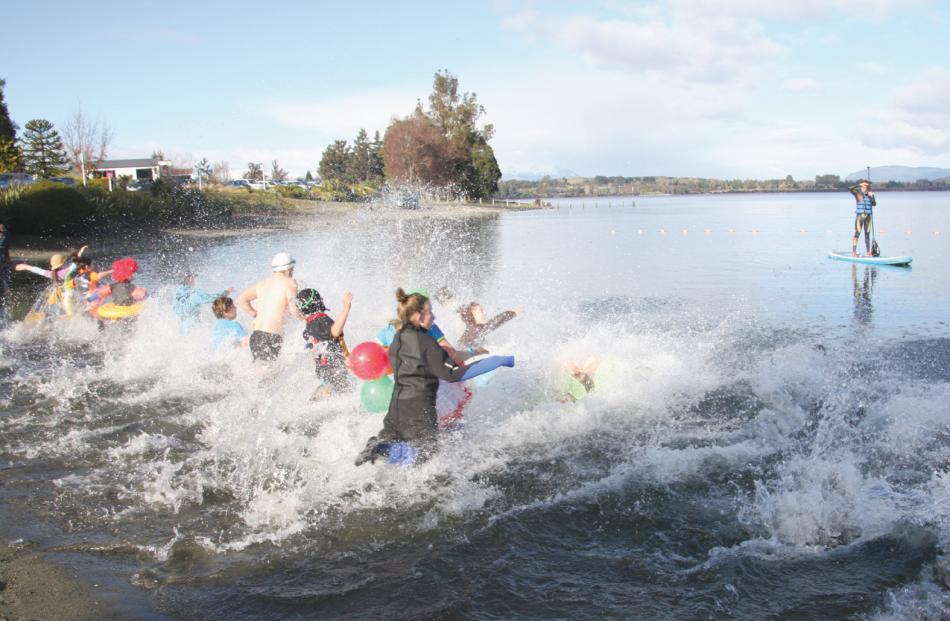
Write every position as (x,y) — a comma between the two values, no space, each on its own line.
(865,205)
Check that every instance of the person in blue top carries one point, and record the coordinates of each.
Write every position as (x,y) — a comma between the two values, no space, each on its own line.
(187,302)
(864,214)
(227,332)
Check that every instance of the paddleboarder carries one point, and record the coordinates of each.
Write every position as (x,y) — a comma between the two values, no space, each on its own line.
(863,217)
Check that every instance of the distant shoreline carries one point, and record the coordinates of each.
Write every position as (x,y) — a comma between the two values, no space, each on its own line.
(714,192)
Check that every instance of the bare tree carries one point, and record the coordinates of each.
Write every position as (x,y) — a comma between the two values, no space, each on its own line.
(86,141)
(276,172)
(255,171)
(220,172)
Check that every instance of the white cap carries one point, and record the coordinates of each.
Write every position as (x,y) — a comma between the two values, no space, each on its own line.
(282,261)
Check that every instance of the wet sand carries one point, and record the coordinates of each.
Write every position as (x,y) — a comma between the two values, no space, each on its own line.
(32,587)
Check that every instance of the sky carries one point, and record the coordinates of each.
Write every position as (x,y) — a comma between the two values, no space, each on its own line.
(704,88)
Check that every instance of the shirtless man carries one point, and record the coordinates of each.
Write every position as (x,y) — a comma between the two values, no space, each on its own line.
(275,295)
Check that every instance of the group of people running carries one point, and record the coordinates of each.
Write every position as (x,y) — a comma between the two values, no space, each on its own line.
(419,354)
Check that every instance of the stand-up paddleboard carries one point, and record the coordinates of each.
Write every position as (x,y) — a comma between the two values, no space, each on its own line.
(846,256)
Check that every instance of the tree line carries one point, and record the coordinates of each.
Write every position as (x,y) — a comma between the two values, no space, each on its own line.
(548,187)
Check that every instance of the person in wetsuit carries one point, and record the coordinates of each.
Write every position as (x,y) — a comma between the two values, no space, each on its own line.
(864,213)
(418,363)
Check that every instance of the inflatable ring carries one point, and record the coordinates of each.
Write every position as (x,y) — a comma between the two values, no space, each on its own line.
(112,311)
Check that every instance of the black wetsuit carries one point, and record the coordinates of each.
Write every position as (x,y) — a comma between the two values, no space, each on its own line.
(418,364)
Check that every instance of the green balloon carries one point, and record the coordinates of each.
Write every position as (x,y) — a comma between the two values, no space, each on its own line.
(376,394)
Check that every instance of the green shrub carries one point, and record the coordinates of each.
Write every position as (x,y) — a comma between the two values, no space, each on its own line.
(47,208)
(331,190)
(293,191)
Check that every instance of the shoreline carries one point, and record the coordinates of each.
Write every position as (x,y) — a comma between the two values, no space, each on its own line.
(34,587)
(36,249)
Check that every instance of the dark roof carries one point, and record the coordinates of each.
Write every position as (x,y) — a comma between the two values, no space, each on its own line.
(140,163)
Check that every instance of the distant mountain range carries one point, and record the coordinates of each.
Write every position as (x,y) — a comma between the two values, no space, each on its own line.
(905,174)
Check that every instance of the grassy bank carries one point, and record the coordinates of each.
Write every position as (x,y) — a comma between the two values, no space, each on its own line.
(47,208)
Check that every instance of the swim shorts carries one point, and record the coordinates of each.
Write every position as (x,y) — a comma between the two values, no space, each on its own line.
(265,345)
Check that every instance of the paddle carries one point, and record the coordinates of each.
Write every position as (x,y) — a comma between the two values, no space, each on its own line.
(875,249)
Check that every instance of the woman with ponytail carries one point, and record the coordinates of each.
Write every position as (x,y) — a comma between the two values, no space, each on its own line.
(418,364)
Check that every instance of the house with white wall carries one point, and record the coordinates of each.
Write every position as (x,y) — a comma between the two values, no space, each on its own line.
(148,169)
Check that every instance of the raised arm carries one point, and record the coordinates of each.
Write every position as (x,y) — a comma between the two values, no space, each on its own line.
(337,328)
(39,271)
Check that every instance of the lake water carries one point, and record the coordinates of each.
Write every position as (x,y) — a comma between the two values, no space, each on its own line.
(768,436)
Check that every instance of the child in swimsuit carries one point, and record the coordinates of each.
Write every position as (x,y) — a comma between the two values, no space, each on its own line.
(324,338)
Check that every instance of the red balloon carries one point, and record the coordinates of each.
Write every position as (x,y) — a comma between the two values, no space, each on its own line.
(369,360)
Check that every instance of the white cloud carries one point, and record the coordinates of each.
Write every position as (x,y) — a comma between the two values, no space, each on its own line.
(341,117)
(918,120)
(799,10)
(873,68)
(801,85)
(599,122)
(678,43)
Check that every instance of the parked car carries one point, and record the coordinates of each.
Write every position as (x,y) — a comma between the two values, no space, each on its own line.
(255,185)
(407,200)
(239,183)
(139,184)
(64,180)
(8,180)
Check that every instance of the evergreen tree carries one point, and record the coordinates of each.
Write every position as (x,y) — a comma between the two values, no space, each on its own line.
(482,172)
(366,159)
(11,160)
(309,177)
(377,163)
(43,151)
(335,163)
(7,126)
(359,161)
